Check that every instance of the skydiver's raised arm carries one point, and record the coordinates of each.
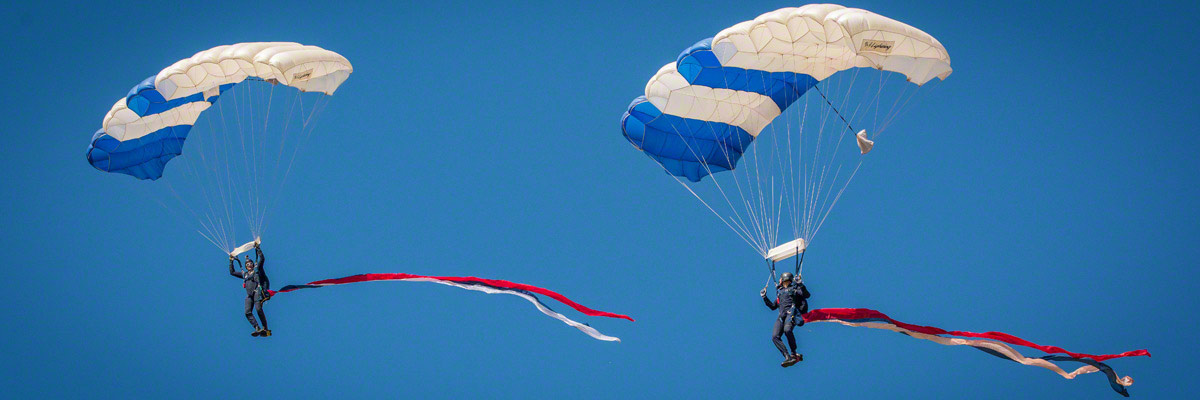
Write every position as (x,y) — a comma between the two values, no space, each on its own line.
(803,291)
(772,304)
(262,272)
(232,271)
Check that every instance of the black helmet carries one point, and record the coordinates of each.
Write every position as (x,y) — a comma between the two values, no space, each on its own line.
(786,277)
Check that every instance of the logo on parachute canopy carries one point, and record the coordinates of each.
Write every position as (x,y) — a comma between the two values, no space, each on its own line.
(302,75)
(877,46)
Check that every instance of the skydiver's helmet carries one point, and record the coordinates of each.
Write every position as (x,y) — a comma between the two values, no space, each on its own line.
(249,263)
(786,277)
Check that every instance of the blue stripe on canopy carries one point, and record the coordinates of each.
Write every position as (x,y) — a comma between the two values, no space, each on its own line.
(142,158)
(700,66)
(147,156)
(144,99)
(684,146)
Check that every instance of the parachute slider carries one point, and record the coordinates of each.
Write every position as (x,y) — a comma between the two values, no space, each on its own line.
(864,144)
(787,250)
(245,247)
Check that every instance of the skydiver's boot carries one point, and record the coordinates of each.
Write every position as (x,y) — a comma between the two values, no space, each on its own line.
(787,362)
(798,357)
(257,332)
(265,333)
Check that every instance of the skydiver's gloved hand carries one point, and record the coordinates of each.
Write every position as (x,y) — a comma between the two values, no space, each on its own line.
(763,292)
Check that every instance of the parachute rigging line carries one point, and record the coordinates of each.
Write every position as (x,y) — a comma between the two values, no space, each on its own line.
(835,110)
(799,263)
(228,175)
(490,286)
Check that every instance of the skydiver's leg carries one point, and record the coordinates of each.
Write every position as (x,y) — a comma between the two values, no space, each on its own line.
(776,336)
(787,329)
(249,314)
(263,318)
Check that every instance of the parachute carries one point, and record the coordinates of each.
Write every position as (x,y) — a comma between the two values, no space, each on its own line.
(252,107)
(750,84)
(779,113)
(247,142)
(489,286)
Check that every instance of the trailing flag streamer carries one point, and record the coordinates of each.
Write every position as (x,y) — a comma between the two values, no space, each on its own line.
(994,343)
(490,286)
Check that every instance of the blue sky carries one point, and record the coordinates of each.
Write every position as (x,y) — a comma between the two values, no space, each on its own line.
(1047,189)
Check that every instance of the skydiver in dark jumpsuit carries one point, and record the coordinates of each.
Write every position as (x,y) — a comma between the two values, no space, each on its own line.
(791,299)
(256,283)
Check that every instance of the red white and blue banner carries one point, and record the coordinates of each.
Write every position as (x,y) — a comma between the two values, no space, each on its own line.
(489,286)
(994,343)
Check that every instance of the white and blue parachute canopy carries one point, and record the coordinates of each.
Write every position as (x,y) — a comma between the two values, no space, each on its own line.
(147,128)
(701,115)
(701,112)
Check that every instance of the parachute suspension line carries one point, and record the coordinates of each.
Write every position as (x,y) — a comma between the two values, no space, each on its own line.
(257,230)
(751,213)
(776,201)
(799,263)
(835,199)
(758,192)
(249,158)
(287,123)
(252,189)
(767,200)
(246,163)
(201,221)
(837,153)
(812,185)
(818,214)
(295,100)
(760,212)
(878,93)
(739,222)
(745,237)
(795,163)
(800,194)
(214,221)
(212,234)
(212,175)
(219,176)
(825,197)
(224,165)
(305,133)
(256,189)
(192,168)
(224,173)
(771,276)
(918,93)
(831,106)
(786,201)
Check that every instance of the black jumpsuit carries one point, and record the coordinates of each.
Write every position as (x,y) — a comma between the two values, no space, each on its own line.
(792,302)
(256,284)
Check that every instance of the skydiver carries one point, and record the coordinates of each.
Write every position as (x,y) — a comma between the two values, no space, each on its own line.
(791,299)
(256,283)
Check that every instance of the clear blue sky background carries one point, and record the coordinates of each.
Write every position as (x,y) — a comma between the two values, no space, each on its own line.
(1047,189)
